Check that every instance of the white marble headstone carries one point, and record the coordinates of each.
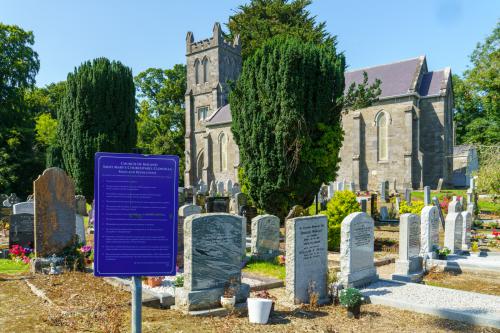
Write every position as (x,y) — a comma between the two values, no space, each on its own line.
(24,208)
(466,230)
(453,232)
(429,231)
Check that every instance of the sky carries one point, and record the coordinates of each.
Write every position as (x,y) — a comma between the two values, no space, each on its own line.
(151,33)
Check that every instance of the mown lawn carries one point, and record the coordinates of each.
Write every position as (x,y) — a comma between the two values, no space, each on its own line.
(485,205)
(8,266)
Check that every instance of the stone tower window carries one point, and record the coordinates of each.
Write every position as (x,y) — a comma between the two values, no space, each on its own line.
(382,136)
(202,112)
(223,151)
(196,71)
(205,70)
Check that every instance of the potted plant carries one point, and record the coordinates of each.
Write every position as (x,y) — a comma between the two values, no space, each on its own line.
(351,298)
(264,294)
(443,253)
(228,299)
(179,281)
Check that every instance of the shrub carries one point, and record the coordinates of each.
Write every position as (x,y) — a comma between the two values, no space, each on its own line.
(415,208)
(350,297)
(342,204)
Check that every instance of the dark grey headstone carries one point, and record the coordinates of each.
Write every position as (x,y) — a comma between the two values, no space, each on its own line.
(21,230)
(217,205)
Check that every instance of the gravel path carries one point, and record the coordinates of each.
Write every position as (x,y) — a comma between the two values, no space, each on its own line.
(436,300)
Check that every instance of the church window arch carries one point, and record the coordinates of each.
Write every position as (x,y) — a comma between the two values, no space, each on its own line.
(199,165)
(204,62)
(223,151)
(382,121)
(197,71)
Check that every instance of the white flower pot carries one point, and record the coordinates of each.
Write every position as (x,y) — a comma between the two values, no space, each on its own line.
(228,302)
(258,310)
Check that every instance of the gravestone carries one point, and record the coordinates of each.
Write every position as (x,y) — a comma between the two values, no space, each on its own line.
(229,187)
(373,204)
(220,188)
(236,189)
(202,187)
(352,187)
(429,232)
(440,211)
(331,190)
(306,259)
(398,203)
(240,201)
(439,185)
(212,258)
(295,211)
(200,199)
(454,206)
(217,205)
(427,195)
(80,228)
(265,236)
(21,230)
(466,230)
(30,198)
(184,212)
(384,195)
(408,196)
(363,205)
(189,195)
(181,196)
(54,212)
(394,188)
(357,268)
(249,213)
(11,200)
(384,213)
(340,186)
(23,208)
(213,189)
(92,215)
(453,232)
(81,205)
(408,267)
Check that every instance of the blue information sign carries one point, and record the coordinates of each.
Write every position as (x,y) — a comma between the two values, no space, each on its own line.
(135,214)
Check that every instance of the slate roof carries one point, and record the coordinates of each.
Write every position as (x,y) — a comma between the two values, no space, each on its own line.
(397,78)
(431,83)
(221,116)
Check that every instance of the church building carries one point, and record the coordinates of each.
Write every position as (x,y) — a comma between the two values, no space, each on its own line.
(405,138)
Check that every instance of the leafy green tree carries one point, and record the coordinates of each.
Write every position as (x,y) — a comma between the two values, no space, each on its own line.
(286,109)
(160,124)
(362,95)
(46,129)
(477,95)
(98,114)
(19,64)
(261,20)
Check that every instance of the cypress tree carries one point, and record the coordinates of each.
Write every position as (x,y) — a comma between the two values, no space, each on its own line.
(286,110)
(97,115)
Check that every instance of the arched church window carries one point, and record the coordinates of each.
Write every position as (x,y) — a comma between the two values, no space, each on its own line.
(382,136)
(196,71)
(223,151)
(199,166)
(205,70)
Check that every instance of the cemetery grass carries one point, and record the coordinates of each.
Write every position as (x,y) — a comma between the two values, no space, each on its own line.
(265,268)
(8,266)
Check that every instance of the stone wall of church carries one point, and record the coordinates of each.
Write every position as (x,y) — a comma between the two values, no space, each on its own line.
(217,171)
(360,139)
(436,139)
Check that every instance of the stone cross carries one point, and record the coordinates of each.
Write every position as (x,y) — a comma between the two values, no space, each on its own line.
(429,232)
(440,212)
(427,196)
(306,258)
(212,261)
(408,267)
(54,212)
(357,268)
(466,230)
(453,232)
(265,237)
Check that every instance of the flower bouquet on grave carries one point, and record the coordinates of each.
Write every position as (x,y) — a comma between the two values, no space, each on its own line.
(87,253)
(443,253)
(352,299)
(266,295)
(154,281)
(281,259)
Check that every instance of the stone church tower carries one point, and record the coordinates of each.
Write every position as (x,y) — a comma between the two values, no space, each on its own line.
(211,153)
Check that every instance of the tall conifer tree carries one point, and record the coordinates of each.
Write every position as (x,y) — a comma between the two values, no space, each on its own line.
(98,115)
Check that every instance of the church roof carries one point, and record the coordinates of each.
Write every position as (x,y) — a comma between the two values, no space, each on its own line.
(433,82)
(398,78)
(221,116)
